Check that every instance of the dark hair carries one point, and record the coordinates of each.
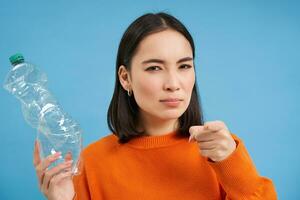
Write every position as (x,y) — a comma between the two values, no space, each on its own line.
(122,115)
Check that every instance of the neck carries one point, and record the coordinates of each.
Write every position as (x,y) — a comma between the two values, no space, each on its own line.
(156,127)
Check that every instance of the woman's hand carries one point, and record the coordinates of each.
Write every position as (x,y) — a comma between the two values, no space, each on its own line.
(214,140)
(56,183)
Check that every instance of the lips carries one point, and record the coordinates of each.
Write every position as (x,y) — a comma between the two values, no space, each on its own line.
(171,100)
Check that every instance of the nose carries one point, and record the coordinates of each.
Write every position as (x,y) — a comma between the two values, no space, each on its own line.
(171,82)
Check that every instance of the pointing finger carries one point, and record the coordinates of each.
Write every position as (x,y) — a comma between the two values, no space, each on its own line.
(214,125)
(194,130)
(199,133)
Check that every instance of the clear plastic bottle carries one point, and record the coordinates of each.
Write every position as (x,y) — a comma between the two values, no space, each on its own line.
(57,131)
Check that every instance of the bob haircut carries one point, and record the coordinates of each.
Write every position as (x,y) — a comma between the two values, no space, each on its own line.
(122,114)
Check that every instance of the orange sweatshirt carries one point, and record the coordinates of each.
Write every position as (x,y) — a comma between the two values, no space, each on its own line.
(166,167)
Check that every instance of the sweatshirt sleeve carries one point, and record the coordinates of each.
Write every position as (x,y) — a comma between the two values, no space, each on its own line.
(239,178)
(81,185)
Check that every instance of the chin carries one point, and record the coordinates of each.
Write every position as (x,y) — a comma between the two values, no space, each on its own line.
(166,115)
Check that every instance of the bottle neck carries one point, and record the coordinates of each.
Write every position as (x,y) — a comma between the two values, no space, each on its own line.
(16,63)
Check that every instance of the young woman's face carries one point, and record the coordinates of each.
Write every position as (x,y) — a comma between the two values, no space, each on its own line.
(162,75)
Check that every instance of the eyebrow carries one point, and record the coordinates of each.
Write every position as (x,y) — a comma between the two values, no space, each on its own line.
(154,60)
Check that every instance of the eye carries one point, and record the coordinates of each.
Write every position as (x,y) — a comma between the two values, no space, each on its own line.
(185,66)
(153,68)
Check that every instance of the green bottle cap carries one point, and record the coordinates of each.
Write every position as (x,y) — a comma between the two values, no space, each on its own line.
(16,59)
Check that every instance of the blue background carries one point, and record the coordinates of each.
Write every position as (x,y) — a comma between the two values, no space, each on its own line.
(247,59)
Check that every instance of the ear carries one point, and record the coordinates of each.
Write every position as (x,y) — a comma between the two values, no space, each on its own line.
(124,78)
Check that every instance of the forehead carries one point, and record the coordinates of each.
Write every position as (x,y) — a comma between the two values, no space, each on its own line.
(167,44)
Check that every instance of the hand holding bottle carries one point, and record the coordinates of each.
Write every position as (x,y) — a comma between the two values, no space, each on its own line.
(55,183)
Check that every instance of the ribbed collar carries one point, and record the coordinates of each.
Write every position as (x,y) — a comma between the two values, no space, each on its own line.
(148,142)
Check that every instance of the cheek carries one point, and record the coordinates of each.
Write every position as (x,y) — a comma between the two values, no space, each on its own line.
(189,83)
(145,90)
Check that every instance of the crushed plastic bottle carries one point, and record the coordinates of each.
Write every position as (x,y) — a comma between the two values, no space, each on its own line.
(57,131)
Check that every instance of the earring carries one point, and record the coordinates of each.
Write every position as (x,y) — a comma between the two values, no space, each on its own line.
(129,92)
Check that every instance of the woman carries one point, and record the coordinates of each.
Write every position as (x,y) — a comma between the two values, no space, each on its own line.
(159,147)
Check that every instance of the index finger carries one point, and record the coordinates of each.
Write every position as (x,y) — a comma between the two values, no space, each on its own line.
(195,130)
(201,133)
(214,125)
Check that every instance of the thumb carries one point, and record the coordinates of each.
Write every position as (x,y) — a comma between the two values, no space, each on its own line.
(68,156)
(36,153)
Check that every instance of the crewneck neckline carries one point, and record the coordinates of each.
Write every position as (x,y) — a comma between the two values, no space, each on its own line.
(149,142)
